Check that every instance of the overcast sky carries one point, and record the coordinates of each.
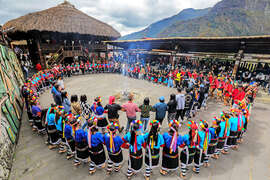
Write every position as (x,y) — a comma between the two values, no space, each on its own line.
(126,16)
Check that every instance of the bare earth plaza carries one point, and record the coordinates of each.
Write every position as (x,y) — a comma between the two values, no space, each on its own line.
(34,160)
(135,90)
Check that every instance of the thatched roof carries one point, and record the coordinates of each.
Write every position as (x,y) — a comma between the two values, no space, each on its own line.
(64,18)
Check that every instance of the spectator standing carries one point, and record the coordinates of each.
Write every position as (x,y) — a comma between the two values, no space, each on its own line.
(171,107)
(58,95)
(180,109)
(66,102)
(60,82)
(130,108)
(145,112)
(113,109)
(188,102)
(75,105)
(160,109)
(85,107)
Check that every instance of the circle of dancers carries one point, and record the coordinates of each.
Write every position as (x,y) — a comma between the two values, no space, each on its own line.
(85,134)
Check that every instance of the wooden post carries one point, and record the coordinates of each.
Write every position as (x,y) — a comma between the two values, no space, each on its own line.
(237,62)
(106,55)
(171,60)
(42,60)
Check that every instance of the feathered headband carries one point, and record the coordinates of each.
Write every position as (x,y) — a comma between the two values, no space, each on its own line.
(155,121)
(138,122)
(174,122)
(203,123)
(114,124)
(192,125)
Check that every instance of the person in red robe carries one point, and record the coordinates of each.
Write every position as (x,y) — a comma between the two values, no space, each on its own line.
(227,92)
(38,67)
(219,86)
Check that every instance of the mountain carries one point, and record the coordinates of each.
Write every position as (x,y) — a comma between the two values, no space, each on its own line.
(154,29)
(226,18)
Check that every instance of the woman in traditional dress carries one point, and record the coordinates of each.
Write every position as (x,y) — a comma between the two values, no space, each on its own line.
(136,141)
(154,141)
(54,139)
(223,135)
(81,147)
(96,149)
(69,126)
(113,143)
(189,145)
(170,155)
(60,125)
(99,115)
(204,138)
(214,131)
(37,116)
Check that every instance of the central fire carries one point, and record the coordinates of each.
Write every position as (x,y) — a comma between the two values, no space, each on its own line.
(123,95)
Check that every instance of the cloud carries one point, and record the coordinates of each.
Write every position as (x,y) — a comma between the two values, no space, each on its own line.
(126,16)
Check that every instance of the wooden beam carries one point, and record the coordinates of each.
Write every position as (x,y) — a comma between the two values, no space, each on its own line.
(42,59)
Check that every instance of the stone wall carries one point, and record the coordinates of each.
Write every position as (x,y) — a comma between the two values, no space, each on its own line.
(11,79)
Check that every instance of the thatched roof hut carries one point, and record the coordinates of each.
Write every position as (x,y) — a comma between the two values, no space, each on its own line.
(63,18)
(62,28)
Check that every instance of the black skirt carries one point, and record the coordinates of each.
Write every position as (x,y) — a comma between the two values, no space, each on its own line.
(221,143)
(71,144)
(212,146)
(82,152)
(199,157)
(170,161)
(154,157)
(187,156)
(232,138)
(97,155)
(136,160)
(53,135)
(116,158)
(38,123)
(102,122)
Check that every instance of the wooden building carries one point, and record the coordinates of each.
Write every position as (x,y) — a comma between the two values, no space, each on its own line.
(61,32)
(242,50)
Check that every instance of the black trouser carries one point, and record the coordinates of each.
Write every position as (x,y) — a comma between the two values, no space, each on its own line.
(180,113)
(82,69)
(200,102)
(177,84)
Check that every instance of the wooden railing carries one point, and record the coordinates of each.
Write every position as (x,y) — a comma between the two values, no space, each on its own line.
(65,51)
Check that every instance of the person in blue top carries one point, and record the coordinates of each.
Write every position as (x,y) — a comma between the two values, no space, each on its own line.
(113,144)
(170,156)
(231,142)
(189,145)
(160,109)
(153,142)
(60,125)
(242,123)
(81,146)
(214,130)
(204,138)
(69,139)
(223,135)
(53,135)
(98,109)
(96,149)
(37,117)
(135,141)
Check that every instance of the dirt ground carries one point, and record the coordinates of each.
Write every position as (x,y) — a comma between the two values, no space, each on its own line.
(33,159)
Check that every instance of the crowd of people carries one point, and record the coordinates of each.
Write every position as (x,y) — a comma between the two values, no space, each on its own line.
(85,131)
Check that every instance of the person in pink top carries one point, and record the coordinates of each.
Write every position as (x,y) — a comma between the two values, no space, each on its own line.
(130,108)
